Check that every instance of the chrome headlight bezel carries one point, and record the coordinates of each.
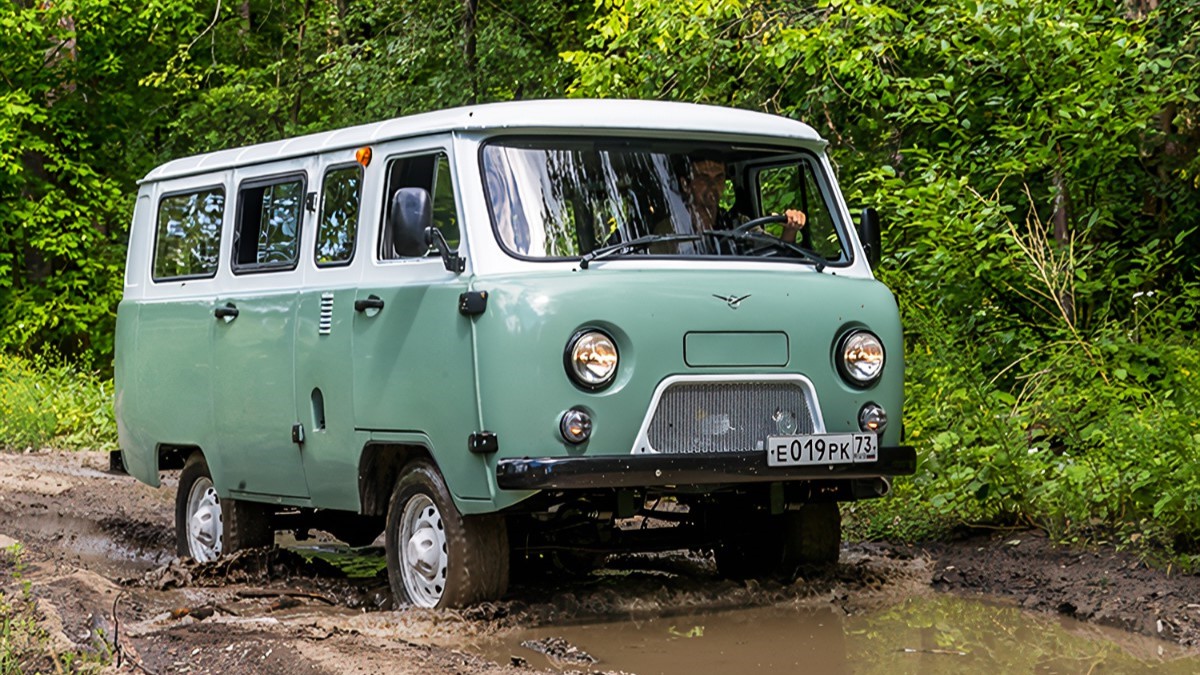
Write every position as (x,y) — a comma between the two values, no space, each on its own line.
(583,343)
(860,357)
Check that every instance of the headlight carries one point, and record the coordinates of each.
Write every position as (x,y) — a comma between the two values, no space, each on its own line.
(860,358)
(591,359)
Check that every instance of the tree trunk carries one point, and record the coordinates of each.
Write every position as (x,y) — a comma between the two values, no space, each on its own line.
(470,13)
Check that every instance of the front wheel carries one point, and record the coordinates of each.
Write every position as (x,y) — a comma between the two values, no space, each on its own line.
(755,545)
(206,526)
(437,557)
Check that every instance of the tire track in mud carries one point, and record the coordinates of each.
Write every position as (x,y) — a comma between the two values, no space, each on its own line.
(95,542)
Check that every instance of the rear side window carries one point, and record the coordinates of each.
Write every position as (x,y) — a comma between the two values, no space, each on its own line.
(340,197)
(267,235)
(188,234)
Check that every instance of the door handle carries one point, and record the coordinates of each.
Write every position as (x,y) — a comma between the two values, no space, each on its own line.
(370,302)
(226,311)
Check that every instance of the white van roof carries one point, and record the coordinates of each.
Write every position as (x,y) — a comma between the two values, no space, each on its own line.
(539,114)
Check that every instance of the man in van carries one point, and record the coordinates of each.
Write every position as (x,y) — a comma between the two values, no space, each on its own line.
(703,189)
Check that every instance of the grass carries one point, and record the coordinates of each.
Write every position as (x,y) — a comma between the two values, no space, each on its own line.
(45,402)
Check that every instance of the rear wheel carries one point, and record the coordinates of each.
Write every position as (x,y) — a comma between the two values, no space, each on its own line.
(208,527)
(436,556)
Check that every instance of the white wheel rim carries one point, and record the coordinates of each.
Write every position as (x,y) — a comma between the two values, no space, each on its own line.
(204,524)
(423,554)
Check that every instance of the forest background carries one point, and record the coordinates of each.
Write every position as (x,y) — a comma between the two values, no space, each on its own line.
(1037,163)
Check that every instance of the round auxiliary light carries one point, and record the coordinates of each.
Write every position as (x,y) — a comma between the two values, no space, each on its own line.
(591,359)
(860,357)
(785,421)
(872,417)
(575,426)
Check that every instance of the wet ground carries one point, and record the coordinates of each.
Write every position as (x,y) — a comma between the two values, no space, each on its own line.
(98,560)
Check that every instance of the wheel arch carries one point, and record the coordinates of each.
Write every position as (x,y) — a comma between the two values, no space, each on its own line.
(172,457)
(380,466)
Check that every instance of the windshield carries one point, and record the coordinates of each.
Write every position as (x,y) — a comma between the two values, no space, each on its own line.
(564,198)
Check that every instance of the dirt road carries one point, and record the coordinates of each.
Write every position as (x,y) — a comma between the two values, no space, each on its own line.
(98,559)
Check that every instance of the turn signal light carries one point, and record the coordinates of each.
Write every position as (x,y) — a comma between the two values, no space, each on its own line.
(575,426)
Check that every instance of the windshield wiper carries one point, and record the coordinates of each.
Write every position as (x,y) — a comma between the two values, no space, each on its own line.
(761,237)
(632,245)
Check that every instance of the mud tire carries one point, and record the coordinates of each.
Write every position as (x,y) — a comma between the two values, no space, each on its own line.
(781,546)
(244,524)
(476,547)
(813,537)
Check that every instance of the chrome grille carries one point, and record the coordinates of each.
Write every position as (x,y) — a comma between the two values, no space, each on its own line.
(725,416)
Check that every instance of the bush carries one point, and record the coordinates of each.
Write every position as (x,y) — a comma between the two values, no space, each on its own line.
(46,402)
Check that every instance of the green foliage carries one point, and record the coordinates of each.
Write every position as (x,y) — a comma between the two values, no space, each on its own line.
(47,402)
(1037,166)
(1037,163)
(71,124)
(268,70)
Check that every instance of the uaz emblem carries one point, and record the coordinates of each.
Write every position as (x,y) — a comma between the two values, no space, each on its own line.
(731,300)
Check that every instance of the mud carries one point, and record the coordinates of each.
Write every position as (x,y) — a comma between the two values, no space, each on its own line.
(98,560)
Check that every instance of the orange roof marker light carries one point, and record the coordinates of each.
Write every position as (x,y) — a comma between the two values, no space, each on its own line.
(363,156)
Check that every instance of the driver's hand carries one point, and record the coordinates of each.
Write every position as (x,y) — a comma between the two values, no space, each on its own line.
(795,222)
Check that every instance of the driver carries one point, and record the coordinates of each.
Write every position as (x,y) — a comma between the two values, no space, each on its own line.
(703,190)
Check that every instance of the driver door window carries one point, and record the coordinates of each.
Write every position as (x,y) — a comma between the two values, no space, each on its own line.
(795,186)
(430,172)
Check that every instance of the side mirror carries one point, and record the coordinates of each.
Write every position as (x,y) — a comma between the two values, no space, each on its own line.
(410,217)
(869,233)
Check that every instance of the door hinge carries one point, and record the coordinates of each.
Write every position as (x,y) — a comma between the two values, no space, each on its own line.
(483,442)
(297,433)
(472,303)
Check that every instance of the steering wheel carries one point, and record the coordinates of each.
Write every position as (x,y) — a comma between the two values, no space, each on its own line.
(765,220)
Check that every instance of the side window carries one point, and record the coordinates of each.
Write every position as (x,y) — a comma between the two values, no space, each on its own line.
(431,172)
(188,234)
(341,194)
(267,235)
(795,186)
(445,210)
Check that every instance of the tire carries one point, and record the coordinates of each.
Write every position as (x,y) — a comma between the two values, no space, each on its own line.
(208,527)
(813,536)
(780,546)
(465,558)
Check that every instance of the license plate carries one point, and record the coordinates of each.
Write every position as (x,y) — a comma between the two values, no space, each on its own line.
(822,449)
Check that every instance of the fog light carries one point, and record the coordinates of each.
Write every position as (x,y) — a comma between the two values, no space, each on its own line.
(785,422)
(872,417)
(575,426)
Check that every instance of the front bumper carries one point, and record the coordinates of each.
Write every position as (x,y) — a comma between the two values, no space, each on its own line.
(631,471)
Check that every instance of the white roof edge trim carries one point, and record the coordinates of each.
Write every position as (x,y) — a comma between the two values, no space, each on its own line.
(548,114)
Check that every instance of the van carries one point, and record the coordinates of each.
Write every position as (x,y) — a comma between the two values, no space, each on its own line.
(511,335)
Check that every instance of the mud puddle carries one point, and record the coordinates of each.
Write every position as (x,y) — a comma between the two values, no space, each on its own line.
(116,547)
(926,634)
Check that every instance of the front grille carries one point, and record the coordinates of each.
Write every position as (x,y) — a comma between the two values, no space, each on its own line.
(726,416)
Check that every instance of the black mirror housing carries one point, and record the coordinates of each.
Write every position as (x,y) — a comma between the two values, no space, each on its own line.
(870,234)
(411,215)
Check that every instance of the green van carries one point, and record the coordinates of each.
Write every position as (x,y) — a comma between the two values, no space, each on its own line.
(511,334)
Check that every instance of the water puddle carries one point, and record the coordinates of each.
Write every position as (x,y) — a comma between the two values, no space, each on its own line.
(368,562)
(118,548)
(928,635)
